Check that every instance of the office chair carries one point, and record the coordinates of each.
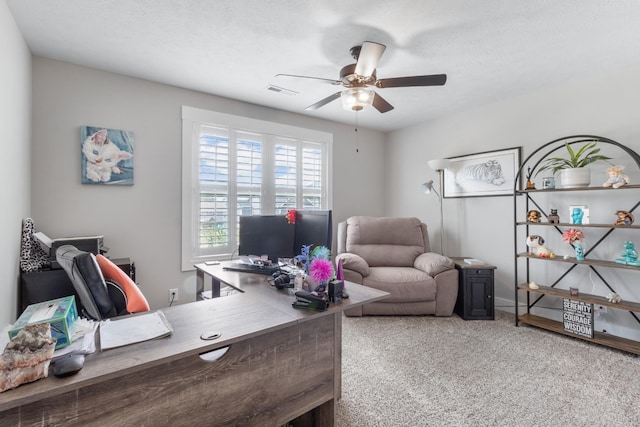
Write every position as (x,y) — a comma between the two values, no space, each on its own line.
(104,290)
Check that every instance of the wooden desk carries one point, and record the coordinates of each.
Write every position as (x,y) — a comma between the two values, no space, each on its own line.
(280,364)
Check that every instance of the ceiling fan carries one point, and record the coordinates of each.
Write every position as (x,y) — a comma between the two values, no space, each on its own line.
(359,77)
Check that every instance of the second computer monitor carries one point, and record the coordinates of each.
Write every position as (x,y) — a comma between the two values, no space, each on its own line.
(269,235)
(313,228)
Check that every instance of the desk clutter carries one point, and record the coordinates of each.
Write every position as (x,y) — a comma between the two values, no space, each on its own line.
(43,278)
(317,301)
(38,251)
(61,314)
(51,333)
(44,334)
(26,358)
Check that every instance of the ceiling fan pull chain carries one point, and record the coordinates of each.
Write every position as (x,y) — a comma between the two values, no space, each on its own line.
(356,130)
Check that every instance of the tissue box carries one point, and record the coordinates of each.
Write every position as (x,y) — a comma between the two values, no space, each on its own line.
(60,313)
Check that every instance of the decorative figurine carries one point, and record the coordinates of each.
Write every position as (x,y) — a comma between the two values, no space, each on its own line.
(616,177)
(533,216)
(530,185)
(536,246)
(579,251)
(575,238)
(553,217)
(614,298)
(624,218)
(629,255)
(576,216)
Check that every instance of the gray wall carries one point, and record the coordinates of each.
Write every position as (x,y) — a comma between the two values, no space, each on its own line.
(482,227)
(143,221)
(15,123)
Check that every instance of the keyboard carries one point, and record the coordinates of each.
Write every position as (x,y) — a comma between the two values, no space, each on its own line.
(252,268)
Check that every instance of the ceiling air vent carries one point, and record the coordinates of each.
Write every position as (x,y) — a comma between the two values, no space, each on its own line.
(281,90)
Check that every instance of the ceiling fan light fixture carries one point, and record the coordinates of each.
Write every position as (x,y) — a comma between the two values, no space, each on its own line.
(357,98)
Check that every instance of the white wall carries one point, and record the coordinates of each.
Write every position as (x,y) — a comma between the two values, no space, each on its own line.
(482,227)
(143,221)
(15,123)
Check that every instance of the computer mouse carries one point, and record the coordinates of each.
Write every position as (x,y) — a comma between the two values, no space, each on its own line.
(68,365)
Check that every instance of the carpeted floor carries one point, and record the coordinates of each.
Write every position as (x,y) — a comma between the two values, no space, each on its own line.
(428,371)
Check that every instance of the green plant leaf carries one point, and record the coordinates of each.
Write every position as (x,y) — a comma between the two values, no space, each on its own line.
(585,155)
(572,154)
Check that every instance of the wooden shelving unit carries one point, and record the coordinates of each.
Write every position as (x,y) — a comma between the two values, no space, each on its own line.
(598,338)
(566,224)
(588,298)
(526,259)
(562,190)
(572,260)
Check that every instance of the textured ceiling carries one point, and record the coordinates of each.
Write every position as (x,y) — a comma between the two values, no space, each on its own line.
(490,50)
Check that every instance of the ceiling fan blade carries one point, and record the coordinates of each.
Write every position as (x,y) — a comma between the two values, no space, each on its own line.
(324,101)
(370,54)
(430,80)
(331,81)
(381,104)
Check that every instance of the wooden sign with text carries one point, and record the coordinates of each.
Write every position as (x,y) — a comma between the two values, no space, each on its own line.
(577,317)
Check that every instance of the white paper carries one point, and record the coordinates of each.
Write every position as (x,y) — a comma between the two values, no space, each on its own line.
(83,340)
(129,330)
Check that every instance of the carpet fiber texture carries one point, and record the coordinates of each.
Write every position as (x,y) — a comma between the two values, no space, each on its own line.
(429,371)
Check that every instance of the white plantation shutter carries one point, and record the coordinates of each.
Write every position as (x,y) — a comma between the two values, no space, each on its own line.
(313,192)
(285,174)
(213,229)
(236,166)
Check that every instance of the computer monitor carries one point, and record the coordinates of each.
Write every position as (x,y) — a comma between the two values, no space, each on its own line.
(270,235)
(313,228)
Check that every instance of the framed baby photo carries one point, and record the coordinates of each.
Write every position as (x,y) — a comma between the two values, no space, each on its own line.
(107,156)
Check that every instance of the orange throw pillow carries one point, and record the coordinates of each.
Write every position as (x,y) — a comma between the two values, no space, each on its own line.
(136,302)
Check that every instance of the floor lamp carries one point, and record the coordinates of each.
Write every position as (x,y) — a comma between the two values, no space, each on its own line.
(439,166)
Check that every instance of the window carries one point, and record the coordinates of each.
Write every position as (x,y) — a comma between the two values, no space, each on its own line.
(233,166)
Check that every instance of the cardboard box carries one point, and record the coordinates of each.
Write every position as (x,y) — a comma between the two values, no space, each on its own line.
(60,313)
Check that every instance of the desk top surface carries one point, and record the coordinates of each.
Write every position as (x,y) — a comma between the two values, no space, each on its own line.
(259,309)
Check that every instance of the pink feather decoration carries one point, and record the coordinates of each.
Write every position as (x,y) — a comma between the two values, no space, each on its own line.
(321,270)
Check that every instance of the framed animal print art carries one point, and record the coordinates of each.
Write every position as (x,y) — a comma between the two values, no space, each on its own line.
(107,156)
(491,173)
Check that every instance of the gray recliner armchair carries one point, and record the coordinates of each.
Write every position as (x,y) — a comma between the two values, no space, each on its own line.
(393,255)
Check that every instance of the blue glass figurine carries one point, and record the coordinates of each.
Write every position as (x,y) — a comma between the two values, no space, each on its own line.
(576,215)
(629,255)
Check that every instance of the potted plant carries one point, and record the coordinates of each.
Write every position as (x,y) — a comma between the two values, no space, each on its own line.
(574,171)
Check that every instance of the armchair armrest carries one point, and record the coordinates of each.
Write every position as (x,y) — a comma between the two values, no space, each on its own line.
(354,262)
(433,263)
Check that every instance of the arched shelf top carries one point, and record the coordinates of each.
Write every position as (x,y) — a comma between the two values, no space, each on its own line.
(558,144)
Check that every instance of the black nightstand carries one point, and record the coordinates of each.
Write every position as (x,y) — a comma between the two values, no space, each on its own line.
(475,291)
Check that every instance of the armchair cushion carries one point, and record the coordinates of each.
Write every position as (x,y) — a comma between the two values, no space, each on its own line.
(433,263)
(386,241)
(404,284)
(354,262)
